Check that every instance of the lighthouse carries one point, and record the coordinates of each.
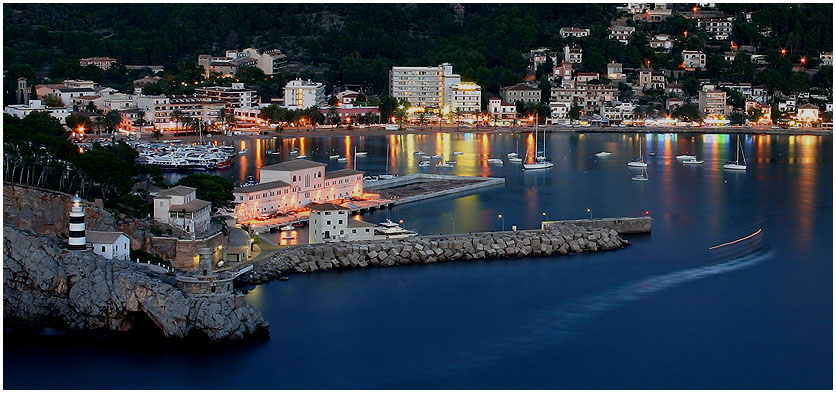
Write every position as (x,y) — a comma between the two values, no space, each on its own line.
(78,241)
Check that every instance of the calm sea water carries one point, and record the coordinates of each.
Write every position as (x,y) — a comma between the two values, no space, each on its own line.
(664,313)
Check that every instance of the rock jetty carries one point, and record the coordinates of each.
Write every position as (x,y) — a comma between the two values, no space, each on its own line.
(46,286)
(562,239)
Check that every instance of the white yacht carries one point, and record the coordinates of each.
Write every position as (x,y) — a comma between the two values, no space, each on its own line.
(424,164)
(736,165)
(686,157)
(515,160)
(443,165)
(287,228)
(693,161)
(540,161)
(342,159)
(419,152)
(495,161)
(360,153)
(392,230)
(638,162)
(334,156)
(457,153)
(302,157)
(603,154)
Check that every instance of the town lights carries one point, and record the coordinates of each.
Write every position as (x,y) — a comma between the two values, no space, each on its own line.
(695,9)
(803,60)
(783,51)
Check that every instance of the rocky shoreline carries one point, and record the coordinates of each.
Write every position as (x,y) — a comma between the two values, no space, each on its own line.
(561,239)
(46,286)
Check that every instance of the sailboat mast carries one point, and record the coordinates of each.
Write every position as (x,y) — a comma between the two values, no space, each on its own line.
(388,152)
(737,151)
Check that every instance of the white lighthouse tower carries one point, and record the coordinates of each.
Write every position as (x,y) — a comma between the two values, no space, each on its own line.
(78,240)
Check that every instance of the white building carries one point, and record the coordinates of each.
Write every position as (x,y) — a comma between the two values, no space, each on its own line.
(587,96)
(615,71)
(663,41)
(303,94)
(572,54)
(713,102)
(429,87)
(467,97)
(501,113)
(651,79)
(807,113)
(160,110)
(22,111)
(179,207)
(559,113)
(621,33)
(101,62)
(331,223)
(291,185)
(270,62)
(111,245)
(826,58)
(693,59)
(718,28)
(617,111)
(235,97)
(573,32)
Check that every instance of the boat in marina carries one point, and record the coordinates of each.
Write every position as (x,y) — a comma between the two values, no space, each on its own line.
(250,182)
(515,160)
(638,162)
(736,164)
(653,153)
(302,157)
(451,162)
(287,228)
(360,153)
(436,157)
(443,165)
(334,156)
(419,152)
(342,159)
(392,230)
(603,154)
(693,162)
(242,151)
(540,161)
(424,164)
(686,157)
(495,161)
(457,153)
(294,151)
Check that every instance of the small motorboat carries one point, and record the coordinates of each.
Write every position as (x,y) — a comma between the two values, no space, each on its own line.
(283,278)
(451,162)
(653,153)
(603,154)
(515,160)
(443,165)
(693,162)
(334,156)
(361,153)
(495,161)
(287,228)
(342,159)
(637,163)
(302,157)
(242,152)
(276,153)
(294,151)
(436,157)
(686,157)
(457,153)
(419,152)
(512,155)
(424,164)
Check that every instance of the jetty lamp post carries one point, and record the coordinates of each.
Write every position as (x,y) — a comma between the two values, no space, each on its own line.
(453,218)
(546,215)
(503,221)
(588,210)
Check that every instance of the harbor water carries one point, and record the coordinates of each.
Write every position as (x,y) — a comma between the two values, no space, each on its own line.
(665,313)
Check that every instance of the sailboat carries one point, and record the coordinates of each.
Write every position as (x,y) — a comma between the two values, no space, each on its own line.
(638,162)
(387,175)
(641,176)
(514,156)
(540,162)
(736,165)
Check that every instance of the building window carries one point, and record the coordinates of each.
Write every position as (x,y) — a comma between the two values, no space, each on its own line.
(103,248)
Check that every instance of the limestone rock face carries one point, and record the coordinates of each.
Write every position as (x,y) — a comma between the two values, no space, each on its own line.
(44,285)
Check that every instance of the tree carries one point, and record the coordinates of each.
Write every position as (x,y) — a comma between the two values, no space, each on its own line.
(691,86)
(76,121)
(574,112)
(755,114)
(215,189)
(737,118)
(687,112)
(112,120)
(53,102)
(422,117)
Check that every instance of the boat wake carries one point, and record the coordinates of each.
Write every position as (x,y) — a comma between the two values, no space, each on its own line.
(561,324)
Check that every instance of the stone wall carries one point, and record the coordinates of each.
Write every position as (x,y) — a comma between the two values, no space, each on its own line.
(621,225)
(561,240)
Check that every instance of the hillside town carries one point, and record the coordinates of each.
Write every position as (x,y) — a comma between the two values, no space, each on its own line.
(562,87)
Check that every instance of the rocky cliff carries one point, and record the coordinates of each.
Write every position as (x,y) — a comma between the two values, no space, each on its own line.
(43,285)
(560,239)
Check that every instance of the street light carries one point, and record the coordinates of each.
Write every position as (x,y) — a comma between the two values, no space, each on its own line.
(783,51)
(454,223)
(546,215)
(503,222)
(588,210)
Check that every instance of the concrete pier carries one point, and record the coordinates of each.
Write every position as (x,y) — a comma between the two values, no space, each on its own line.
(622,225)
(560,239)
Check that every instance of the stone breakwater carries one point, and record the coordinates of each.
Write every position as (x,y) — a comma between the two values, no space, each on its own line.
(564,239)
(45,286)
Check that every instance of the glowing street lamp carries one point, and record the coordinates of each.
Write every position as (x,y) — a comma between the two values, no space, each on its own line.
(546,215)
(804,60)
(783,51)
(686,33)
(503,221)
(588,210)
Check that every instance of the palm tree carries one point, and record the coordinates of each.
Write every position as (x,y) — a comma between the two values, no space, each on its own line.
(458,114)
(140,121)
(177,116)
(422,117)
